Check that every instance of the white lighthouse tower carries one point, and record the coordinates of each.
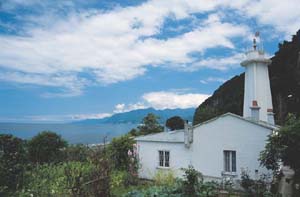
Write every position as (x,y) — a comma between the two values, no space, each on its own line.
(257,93)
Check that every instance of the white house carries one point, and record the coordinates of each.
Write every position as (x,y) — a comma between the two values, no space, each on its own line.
(223,146)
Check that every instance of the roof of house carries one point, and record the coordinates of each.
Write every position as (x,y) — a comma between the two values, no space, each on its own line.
(166,136)
(178,135)
(259,123)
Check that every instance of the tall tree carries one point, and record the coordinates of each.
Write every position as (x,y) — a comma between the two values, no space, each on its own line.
(284,146)
(118,151)
(150,125)
(175,123)
(46,147)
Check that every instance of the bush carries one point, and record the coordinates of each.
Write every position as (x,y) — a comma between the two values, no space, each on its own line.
(78,152)
(118,179)
(161,191)
(258,187)
(12,163)
(46,147)
(118,150)
(192,181)
(166,178)
(209,189)
(57,180)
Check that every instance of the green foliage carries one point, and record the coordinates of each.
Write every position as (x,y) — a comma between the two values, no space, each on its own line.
(77,175)
(258,187)
(284,146)
(192,181)
(118,151)
(100,179)
(209,189)
(175,123)
(91,178)
(12,163)
(77,152)
(284,80)
(161,191)
(166,178)
(227,98)
(150,125)
(133,132)
(46,147)
(206,189)
(118,179)
(65,179)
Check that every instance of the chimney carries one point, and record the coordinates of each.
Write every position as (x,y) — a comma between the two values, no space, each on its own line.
(166,128)
(270,116)
(255,111)
(188,134)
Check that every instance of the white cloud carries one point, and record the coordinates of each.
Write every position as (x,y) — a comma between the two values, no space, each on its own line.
(282,15)
(109,44)
(217,63)
(90,116)
(213,79)
(118,45)
(122,107)
(173,100)
(69,84)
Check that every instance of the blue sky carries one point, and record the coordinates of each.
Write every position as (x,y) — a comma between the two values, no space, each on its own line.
(69,60)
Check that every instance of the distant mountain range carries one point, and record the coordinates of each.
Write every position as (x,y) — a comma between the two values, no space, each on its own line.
(136,116)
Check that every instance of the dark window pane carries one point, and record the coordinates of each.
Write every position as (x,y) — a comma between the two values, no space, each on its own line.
(226,161)
(167,159)
(233,156)
(161,158)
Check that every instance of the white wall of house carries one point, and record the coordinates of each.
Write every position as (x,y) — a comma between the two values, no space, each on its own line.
(149,157)
(206,153)
(228,133)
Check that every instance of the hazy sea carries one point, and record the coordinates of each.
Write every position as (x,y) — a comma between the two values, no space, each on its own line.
(73,133)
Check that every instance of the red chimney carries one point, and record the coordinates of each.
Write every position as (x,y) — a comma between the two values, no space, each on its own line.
(254,103)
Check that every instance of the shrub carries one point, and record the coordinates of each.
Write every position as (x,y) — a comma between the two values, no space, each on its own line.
(118,150)
(161,191)
(253,187)
(118,179)
(46,147)
(65,179)
(209,189)
(192,181)
(164,177)
(78,152)
(12,163)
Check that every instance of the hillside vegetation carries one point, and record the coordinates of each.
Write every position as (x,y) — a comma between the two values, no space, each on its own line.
(285,86)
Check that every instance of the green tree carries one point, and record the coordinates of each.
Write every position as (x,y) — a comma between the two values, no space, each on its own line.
(175,123)
(118,150)
(77,152)
(284,145)
(46,147)
(150,125)
(192,181)
(133,132)
(12,163)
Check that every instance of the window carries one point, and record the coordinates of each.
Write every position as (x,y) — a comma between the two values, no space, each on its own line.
(229,161)
(164,158)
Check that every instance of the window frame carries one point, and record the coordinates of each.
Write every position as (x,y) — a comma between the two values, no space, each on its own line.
(229,161)
(164,161)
